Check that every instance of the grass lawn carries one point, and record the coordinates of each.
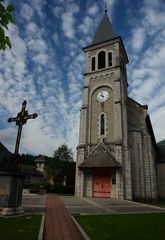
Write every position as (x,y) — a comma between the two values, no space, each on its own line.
(124,227)
(20,228)
(161,202)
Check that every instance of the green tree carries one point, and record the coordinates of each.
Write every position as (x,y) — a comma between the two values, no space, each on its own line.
(5,18)
(62,165)
(63,153)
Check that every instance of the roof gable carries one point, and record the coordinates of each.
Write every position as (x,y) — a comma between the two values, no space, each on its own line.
(101,156)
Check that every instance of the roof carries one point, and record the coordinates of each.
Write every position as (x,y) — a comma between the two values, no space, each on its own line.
(41,159)
(30,170)
(104,32)
(100,157)
(161,153)
(4,153)
(162,142)
(2,147)
(140,105)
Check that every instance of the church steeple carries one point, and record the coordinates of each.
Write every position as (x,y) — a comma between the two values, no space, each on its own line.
(105,31)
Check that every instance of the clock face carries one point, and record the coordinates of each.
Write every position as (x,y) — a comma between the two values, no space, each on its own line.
(102,96)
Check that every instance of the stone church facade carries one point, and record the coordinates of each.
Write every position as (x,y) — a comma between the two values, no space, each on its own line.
(116,153)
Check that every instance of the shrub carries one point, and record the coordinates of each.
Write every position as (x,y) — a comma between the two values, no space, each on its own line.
(39,187)
(59,188)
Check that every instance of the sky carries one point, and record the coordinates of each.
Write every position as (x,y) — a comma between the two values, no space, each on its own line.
(46,65)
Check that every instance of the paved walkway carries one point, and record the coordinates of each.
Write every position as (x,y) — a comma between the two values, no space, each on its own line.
(34,203)
(58,223)
(87,206)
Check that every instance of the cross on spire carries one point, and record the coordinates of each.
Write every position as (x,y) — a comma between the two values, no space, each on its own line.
(105,6)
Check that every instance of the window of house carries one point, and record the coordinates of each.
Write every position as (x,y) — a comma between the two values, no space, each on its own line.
(101,60)
(110,59)
(93,64)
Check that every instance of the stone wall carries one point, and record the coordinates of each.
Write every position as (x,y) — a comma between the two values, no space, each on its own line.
(142,153)
(161,179)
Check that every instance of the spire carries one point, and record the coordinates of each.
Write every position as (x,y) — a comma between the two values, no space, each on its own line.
(104,31)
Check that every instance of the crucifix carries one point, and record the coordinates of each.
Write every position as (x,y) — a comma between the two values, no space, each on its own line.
(20,120)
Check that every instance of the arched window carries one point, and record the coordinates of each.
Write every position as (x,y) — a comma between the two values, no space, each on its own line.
(101,60)
(102,124)
(110,59)
(93,64)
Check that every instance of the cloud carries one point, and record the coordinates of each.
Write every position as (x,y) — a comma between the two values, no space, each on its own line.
(40,58)
(68,24)
(56,39)
(138,39)
(93,10)
(158,117)
(32,28)
(67,17)
(86,25)
(39,5)
(37,45)
(26,11)
(46,66)
(146,69)
(57,11)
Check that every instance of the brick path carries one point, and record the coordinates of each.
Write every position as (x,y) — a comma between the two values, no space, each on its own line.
(58,223)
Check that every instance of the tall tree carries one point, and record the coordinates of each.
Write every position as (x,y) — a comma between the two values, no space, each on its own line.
(5,18)
(63,153)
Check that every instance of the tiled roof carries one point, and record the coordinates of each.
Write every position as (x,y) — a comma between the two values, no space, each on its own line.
(100,158)
(104,32)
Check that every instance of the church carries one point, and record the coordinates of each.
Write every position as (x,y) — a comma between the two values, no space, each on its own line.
(116,154)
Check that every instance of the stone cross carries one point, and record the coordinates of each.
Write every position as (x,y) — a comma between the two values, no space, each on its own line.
(20,120)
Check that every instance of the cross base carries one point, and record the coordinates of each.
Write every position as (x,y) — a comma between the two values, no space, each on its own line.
(12,211)
(11,186)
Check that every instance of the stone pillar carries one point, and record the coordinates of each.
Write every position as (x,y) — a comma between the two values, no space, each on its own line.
(119,173)
(148,170)
(88,183)
(11,187)
(117,113)
(125,148)
(79,181)
(136,155)
(83,125)
(152,169)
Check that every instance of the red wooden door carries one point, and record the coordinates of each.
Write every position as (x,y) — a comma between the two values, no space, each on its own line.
(101,186)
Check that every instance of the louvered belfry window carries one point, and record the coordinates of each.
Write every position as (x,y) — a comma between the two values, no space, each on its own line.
(101,60)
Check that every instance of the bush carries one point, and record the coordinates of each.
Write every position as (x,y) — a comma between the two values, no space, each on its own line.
(39,187)
(59,188)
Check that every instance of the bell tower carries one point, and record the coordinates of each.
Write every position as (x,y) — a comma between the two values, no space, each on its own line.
(103,167)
